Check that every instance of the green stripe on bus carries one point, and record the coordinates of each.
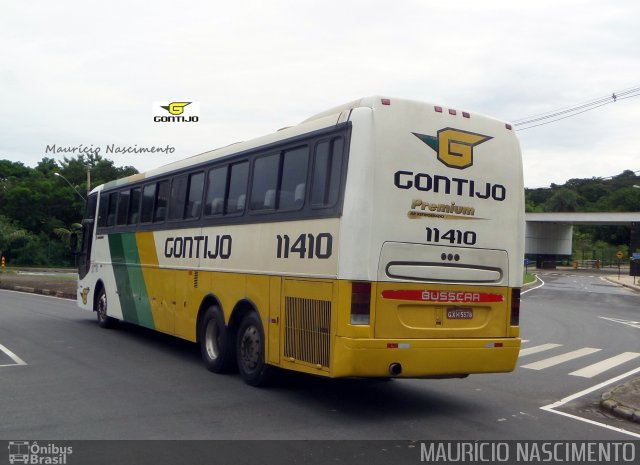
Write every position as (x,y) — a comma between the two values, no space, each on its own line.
(132,290)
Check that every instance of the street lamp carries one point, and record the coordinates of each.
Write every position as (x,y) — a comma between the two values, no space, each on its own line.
(74,188)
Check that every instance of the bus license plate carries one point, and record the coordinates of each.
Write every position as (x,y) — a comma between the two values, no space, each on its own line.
(459,313)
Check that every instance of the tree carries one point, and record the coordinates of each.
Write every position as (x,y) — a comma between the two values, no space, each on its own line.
(564,200)
(101,169)
(38,206)
(10,235)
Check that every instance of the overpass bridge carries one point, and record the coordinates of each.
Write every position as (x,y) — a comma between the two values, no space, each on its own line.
(549,235)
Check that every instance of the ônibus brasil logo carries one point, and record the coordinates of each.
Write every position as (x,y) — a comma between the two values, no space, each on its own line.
(176,112)
(454,146)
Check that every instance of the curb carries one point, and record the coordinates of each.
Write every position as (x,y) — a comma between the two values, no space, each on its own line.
(629,286)
(609,403)
(35,290)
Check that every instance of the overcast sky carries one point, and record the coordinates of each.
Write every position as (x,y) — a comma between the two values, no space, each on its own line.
(84,72)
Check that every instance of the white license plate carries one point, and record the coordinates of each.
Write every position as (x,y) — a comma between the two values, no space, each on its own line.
(459,313)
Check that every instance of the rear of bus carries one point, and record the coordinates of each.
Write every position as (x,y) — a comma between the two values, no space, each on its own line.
(431,243)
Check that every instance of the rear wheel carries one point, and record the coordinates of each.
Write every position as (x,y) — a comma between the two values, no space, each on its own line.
(104,320)
(250,351)
(216,343)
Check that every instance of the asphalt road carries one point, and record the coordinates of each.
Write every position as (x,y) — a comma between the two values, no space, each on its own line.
(62,377)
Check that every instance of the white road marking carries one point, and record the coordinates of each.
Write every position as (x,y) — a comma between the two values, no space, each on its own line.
(534,288)
(633,324)
(536,349)
(12,356)
(597,368)
(558,359)
(551,407)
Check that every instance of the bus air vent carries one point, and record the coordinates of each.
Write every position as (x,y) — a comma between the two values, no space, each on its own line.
(307,330)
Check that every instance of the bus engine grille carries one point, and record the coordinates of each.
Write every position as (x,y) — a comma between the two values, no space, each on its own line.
(307,330)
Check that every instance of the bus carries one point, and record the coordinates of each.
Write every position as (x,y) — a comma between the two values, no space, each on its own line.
(383,238)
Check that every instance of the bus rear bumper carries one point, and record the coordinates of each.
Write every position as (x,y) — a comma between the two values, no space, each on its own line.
(423,358)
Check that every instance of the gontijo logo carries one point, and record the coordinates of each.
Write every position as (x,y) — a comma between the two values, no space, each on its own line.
(176,112)
(454,146)
(176,108)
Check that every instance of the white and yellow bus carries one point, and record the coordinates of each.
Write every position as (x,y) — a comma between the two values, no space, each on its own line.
(381,238)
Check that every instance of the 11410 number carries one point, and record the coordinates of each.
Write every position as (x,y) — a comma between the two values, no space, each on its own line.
(452,236)
(306,245)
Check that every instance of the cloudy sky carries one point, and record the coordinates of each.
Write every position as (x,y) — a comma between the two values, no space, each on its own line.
(86,73)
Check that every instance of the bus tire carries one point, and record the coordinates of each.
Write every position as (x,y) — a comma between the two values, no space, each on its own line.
(216,343)
(250,351)
(104,320)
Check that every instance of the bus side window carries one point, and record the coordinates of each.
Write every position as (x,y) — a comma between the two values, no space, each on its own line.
(293,179)
(327,169)
(123,207)
(265,182)
(216,187)
(178,197)
(103,210)
(162,197)
(194,199)
(148,196)
(111,214)
(134,206)
(237,187)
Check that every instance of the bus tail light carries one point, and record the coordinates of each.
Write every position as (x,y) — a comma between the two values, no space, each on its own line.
(360,303)
(515,307)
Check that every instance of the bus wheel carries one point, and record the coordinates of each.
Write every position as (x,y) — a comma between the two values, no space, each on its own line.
(104,320)
(250,351)
(216,345)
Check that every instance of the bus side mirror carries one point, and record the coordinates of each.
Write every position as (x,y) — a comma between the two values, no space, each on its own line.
(73,242)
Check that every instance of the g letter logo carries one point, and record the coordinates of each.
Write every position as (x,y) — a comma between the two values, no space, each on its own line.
(176,108)
(453,146)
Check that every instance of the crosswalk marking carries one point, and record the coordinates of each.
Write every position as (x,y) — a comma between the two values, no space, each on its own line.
(597,368)
(536,349)
(558,359)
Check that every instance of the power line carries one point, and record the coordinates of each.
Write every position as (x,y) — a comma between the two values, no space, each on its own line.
(611,97)
(568,112)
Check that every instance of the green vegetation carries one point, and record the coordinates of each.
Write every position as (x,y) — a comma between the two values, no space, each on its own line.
(37,208)
(529,278)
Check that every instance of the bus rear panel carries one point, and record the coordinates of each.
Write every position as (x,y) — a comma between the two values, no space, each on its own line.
(434,221)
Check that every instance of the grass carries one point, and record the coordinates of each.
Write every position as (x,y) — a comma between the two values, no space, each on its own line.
(529,278)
